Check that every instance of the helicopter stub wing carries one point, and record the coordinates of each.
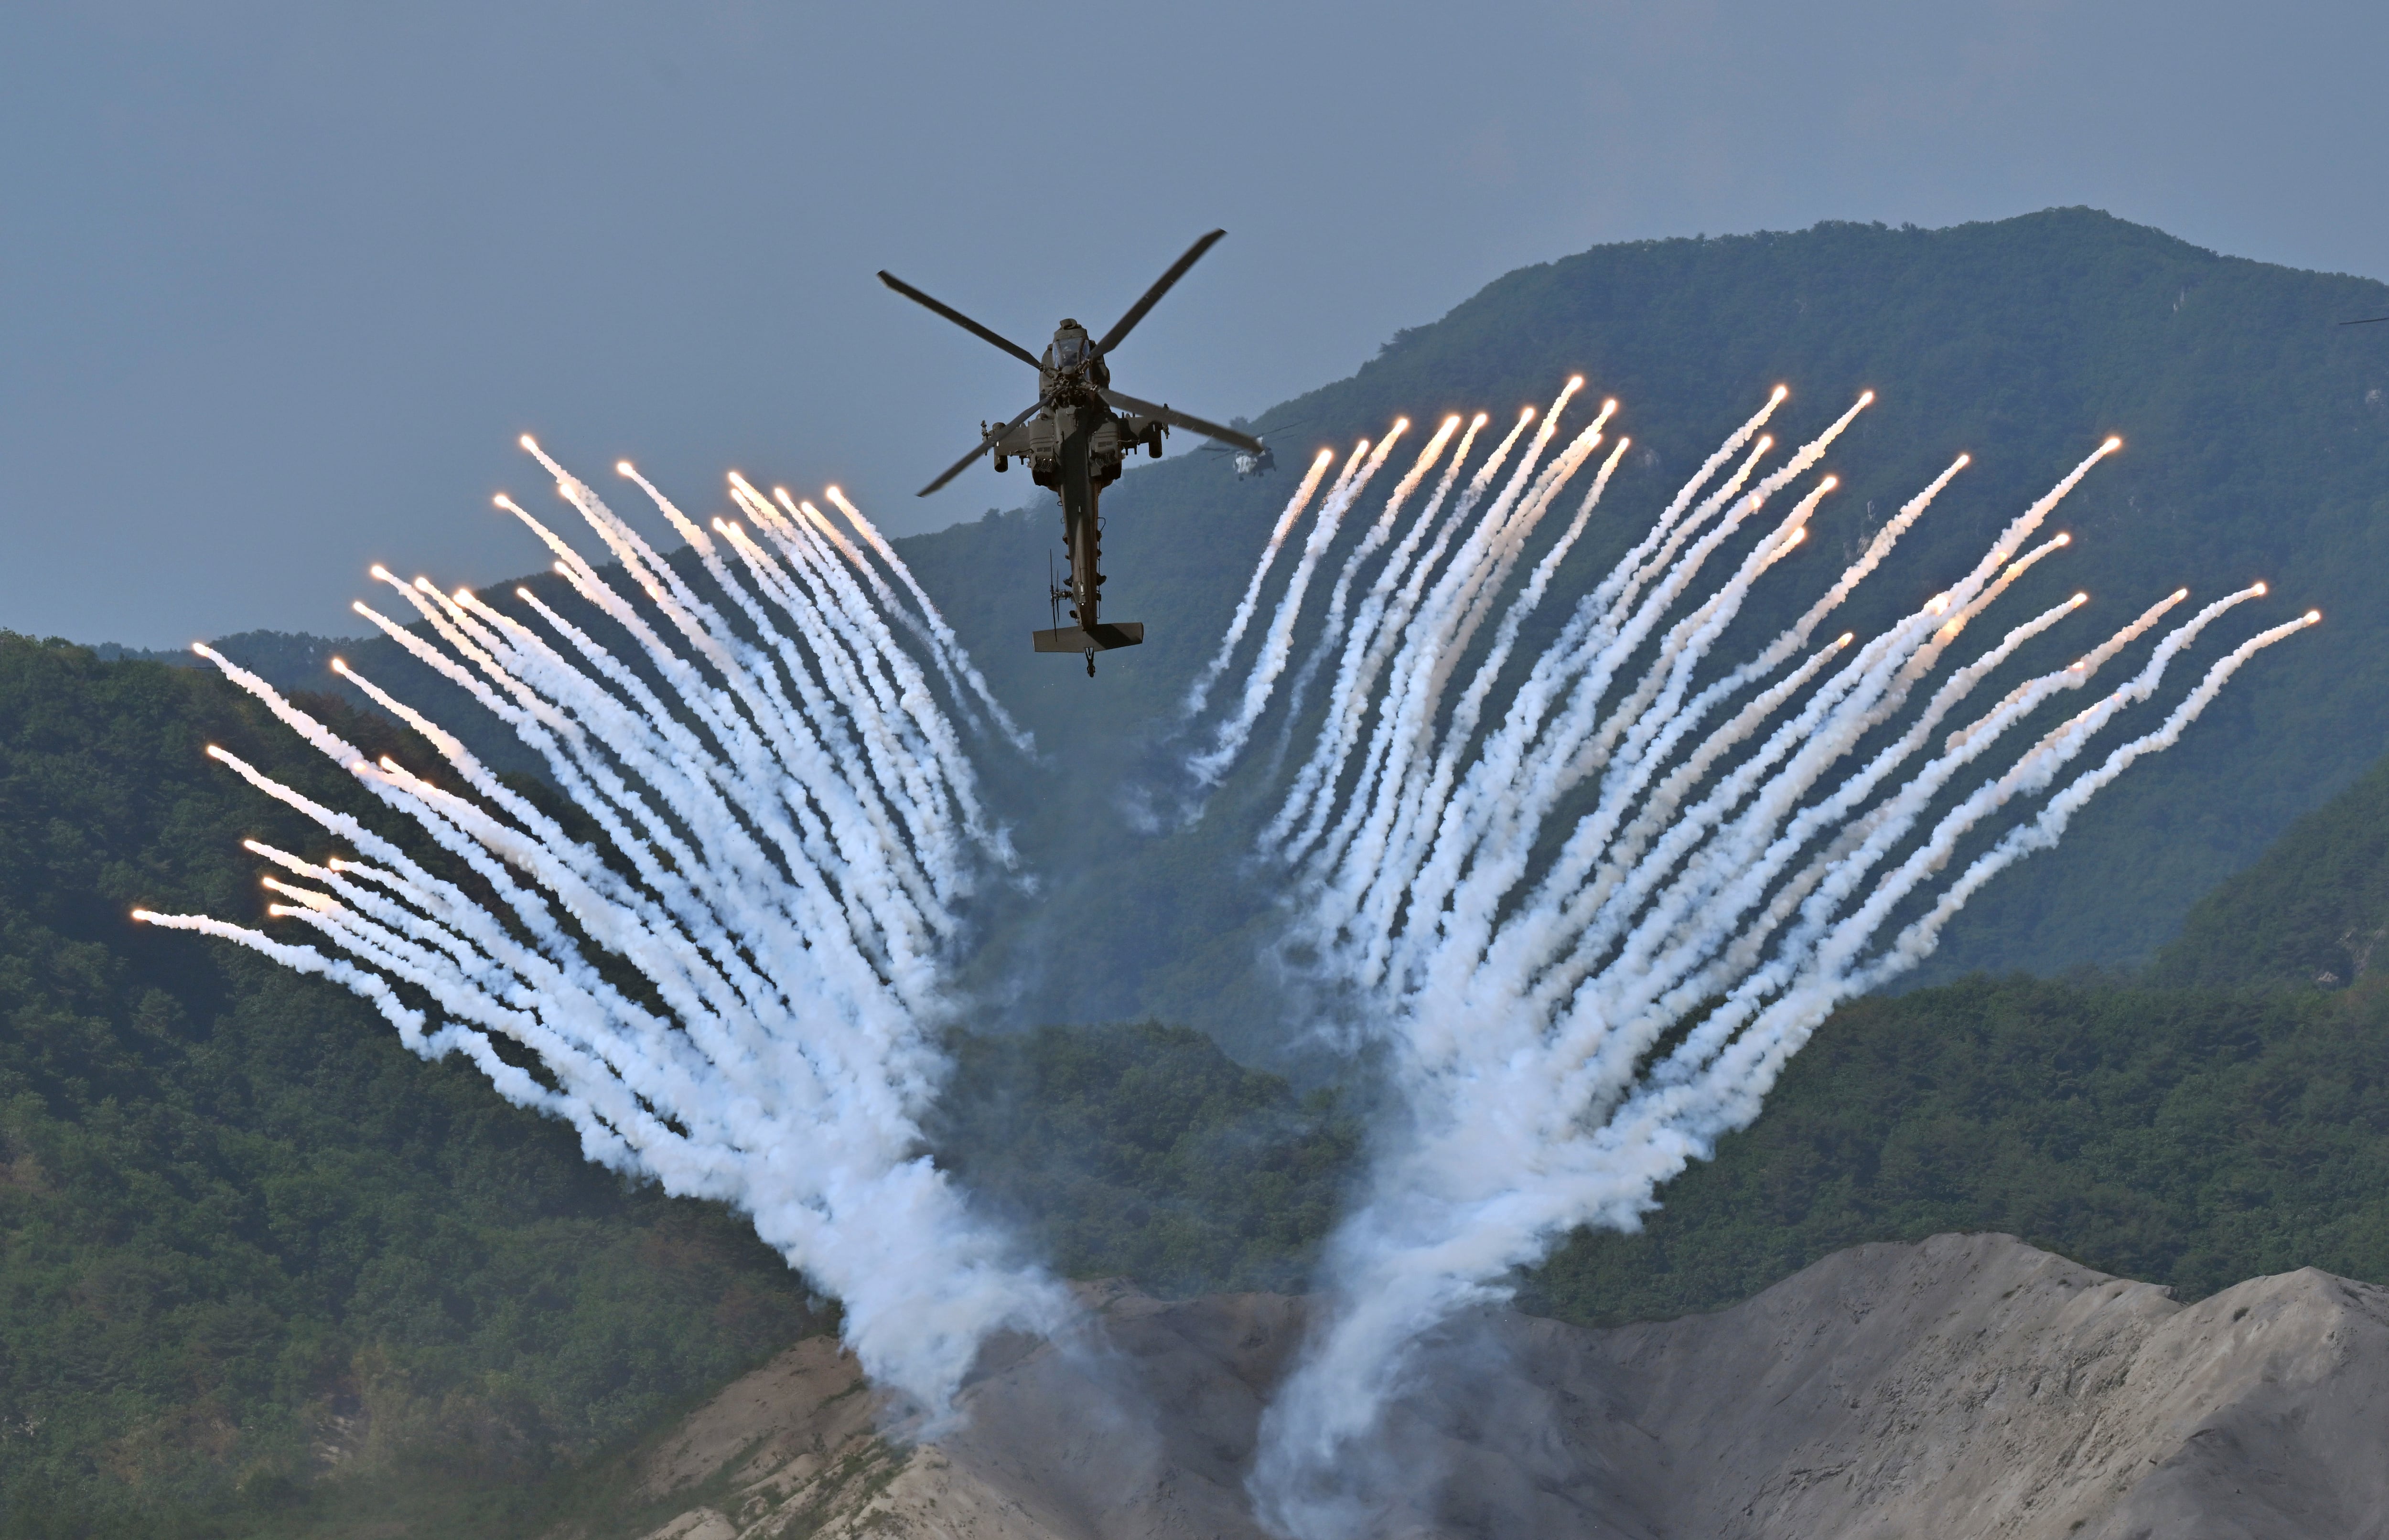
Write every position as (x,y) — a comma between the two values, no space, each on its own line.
(1176,418)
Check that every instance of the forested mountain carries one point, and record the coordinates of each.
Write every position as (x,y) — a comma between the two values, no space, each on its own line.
(2256,439)
(263,1272)
(246,1240)
(2256,445)
(245,1236)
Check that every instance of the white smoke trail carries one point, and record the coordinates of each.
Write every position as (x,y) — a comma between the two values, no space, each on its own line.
(948,650)
(1520,915)
(1379,533)
(1400,751)
(1391,624)
(1383,613)
(791,826)
(1279,642)
(1200,690)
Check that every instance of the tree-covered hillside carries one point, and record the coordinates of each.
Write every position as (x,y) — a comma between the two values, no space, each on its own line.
(243,1236)
(2311,913)
(2185,1137)
(263,1272)
(247,1242)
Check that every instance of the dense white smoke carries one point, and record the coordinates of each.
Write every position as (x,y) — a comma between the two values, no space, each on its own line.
(1589,902)
(790,825)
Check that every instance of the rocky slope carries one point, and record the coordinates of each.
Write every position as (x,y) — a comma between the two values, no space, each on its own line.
(1968,1386)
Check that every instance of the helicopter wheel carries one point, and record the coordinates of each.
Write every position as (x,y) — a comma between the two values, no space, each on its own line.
(1091,663)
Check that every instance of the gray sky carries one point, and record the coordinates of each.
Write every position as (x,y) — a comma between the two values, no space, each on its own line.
(283,282)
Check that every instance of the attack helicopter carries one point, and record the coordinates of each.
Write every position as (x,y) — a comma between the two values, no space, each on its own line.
(1074,438)
(1251,461)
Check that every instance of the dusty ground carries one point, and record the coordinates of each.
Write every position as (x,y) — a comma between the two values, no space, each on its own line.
(1970,1386)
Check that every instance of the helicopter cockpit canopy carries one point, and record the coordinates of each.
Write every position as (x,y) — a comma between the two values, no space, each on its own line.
(1070,347)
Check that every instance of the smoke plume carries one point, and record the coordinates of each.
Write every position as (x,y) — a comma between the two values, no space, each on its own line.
(1588,902)
(790,826)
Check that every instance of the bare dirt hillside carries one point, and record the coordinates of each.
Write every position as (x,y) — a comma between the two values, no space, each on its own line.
(1968,1386)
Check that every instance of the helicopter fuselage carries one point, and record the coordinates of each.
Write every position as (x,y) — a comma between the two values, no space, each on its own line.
(1075,446)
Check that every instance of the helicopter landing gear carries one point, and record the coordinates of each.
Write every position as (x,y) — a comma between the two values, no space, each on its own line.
(1091,663)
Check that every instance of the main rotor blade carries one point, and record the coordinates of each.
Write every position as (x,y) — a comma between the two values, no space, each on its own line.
(1176,418)
(959,319)
(1121,327)
(992,439)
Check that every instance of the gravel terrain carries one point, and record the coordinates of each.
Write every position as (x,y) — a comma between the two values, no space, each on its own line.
(1967,1386)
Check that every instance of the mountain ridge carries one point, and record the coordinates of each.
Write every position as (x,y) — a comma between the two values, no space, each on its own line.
(2256,445)
(2205,1133)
